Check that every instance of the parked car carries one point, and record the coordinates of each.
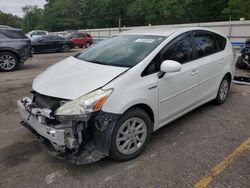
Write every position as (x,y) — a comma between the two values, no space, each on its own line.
(80,39)
(15,48)
(51,44)
(108,99)
(36,33)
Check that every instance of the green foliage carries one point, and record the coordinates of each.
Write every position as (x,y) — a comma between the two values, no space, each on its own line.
(10,20)
(238,9)
(32,18)
(59,15)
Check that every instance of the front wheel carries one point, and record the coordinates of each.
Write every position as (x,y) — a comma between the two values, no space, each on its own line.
(223,91)
(8,61)
(131,135)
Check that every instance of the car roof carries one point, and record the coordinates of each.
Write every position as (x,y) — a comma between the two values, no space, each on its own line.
(162,30)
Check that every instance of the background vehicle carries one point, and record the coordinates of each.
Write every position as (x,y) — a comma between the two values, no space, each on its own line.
(243,61)
(80,39)
(15,48)
(51,44)
(108,99)
(36,33)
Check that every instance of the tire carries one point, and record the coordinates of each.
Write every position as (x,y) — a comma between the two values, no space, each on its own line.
(223,91)
(81,46)
(240,63)
(87,45)
(65,48)
(135,118)
(8,61)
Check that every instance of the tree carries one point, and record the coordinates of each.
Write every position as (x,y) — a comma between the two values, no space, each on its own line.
(204,10)
(32,18)
(62,15)
(59,15)
(238,9)
(10,20)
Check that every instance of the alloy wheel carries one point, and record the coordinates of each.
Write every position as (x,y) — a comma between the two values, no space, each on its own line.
(131,136)
(7,62)
(223,90)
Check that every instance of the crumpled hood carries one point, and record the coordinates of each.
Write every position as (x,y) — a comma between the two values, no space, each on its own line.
(72,78)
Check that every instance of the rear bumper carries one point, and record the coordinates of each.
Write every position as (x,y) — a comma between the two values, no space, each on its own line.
(25,57)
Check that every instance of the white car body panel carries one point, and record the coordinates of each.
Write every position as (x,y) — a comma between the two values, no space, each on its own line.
(73,78)
(169,97)
(183,95)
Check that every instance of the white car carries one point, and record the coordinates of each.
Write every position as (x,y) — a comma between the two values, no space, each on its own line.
(36,33)
(111,97)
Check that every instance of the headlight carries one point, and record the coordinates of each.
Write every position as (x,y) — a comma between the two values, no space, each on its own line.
(82,106)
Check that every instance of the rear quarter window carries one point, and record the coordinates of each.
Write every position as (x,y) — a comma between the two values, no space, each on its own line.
(13,34)
(222,41)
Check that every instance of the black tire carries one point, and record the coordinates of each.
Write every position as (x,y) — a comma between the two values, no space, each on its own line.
(65,48)
(219,99)
(81,46)
(240,63)
(133,113)
(14,61)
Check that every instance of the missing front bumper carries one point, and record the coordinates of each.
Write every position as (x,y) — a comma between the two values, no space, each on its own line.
(66,143)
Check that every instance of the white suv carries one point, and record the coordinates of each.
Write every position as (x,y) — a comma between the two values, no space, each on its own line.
(109,99)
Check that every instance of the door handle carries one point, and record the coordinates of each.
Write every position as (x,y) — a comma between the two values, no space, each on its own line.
(222,61)
(194,72)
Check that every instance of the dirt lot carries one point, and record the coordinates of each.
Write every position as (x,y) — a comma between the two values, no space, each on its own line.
(204,143)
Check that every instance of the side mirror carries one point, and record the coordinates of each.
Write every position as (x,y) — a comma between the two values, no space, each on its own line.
(170,66)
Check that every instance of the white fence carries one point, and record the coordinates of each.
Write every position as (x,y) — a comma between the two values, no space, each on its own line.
(237,31)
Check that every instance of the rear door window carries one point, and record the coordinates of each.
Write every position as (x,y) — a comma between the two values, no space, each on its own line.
(80,35)
(205,43)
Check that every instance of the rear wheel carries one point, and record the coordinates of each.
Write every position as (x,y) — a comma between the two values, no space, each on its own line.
(65,48)
(131,135)
(8,61)
(223,91)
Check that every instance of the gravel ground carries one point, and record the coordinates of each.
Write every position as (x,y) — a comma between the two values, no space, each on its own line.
(178,155)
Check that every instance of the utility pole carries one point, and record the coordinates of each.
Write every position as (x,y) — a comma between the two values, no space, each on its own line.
(120,25)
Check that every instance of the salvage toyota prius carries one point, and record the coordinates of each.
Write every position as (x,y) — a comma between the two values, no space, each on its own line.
(107,100)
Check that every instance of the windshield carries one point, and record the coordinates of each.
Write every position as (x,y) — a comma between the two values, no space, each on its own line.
(123,50)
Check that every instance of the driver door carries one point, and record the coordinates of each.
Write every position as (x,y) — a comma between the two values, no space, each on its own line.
(178,91)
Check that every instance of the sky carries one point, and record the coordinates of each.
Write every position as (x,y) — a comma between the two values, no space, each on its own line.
(15,6)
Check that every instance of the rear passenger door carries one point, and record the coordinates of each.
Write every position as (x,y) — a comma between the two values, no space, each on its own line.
(207,61)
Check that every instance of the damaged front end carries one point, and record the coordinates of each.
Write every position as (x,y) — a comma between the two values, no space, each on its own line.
(80,139)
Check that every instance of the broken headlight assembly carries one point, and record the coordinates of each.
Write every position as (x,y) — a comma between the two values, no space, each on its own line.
(82,107)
